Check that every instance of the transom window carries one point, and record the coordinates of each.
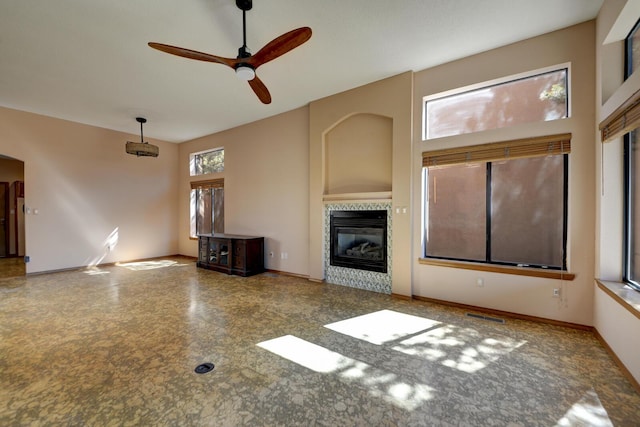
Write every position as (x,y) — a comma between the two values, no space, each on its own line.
(536,98)
(206,162)
(632,51)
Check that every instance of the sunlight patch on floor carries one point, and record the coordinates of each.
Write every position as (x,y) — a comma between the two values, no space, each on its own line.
(464,349)
(382,326)
(95,271)
(588,411)
(148,265)
(385,385)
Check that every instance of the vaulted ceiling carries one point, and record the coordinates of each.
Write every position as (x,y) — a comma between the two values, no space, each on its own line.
(88,61)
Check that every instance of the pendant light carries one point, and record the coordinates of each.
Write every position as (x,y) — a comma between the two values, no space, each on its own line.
(142,148)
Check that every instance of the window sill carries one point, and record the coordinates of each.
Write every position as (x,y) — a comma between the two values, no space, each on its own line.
(623,294)
(520,271)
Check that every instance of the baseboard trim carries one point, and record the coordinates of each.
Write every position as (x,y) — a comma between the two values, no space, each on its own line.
(506,314)
(402,297)
(617,360)
(286,273)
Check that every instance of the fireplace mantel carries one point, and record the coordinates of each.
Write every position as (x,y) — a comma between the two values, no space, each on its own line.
(357,197)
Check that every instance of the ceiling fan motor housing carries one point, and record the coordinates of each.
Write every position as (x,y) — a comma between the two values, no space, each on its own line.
(244,52)
(244,4)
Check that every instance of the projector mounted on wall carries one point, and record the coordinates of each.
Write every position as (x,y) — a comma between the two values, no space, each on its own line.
(142,148)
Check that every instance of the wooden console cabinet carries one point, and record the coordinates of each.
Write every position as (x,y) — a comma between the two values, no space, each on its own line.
(231,254)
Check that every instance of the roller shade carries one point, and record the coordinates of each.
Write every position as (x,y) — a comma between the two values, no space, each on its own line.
(515,149)
(211,183)
(625,119)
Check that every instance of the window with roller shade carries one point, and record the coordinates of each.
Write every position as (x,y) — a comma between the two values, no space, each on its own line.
(207,207)
(632,172)
(503,203)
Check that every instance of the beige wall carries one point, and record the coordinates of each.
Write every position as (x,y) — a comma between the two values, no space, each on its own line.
(266,179)
(518,294)
(85,187)
(618,326)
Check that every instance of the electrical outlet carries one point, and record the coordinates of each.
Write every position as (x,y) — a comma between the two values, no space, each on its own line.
(556,292)
(480,282)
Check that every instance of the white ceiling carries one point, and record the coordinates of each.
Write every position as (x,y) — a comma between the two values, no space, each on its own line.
(88,61)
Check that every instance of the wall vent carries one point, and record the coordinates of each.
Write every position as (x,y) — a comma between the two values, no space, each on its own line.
(483,317)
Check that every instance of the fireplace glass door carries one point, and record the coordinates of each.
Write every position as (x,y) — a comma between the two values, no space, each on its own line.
(358,240)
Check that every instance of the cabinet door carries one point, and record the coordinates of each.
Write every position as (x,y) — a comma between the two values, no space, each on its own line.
(214,251)
(224,246)
(239,254)
(203,249)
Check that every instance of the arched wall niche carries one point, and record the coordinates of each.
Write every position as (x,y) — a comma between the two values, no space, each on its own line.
(358,154)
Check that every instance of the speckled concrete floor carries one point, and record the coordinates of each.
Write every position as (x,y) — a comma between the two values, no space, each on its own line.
(119,345)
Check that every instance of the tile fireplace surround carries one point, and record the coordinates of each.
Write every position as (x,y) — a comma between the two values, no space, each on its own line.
(355,278)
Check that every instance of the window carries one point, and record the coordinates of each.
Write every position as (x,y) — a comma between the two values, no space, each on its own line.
(632,210)
(206,162)
(631,171)
(536,98)
(503,203)
(632,51)
(207,207)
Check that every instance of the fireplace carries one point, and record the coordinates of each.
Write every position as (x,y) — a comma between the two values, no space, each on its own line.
(358,239)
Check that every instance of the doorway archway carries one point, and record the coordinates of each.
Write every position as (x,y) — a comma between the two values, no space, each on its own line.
(12,219)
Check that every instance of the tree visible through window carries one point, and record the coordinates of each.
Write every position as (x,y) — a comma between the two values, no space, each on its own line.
(206,162)
(538,98)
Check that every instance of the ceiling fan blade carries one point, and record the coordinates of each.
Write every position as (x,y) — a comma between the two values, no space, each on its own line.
(279,46)
(261,90)
(193,54)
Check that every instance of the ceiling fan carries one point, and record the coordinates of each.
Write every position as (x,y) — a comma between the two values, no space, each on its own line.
(246,64)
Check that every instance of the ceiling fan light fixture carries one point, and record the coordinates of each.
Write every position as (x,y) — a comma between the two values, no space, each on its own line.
(245,72)
(142,149)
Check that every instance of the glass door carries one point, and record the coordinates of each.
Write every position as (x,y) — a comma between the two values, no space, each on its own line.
(224,253)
